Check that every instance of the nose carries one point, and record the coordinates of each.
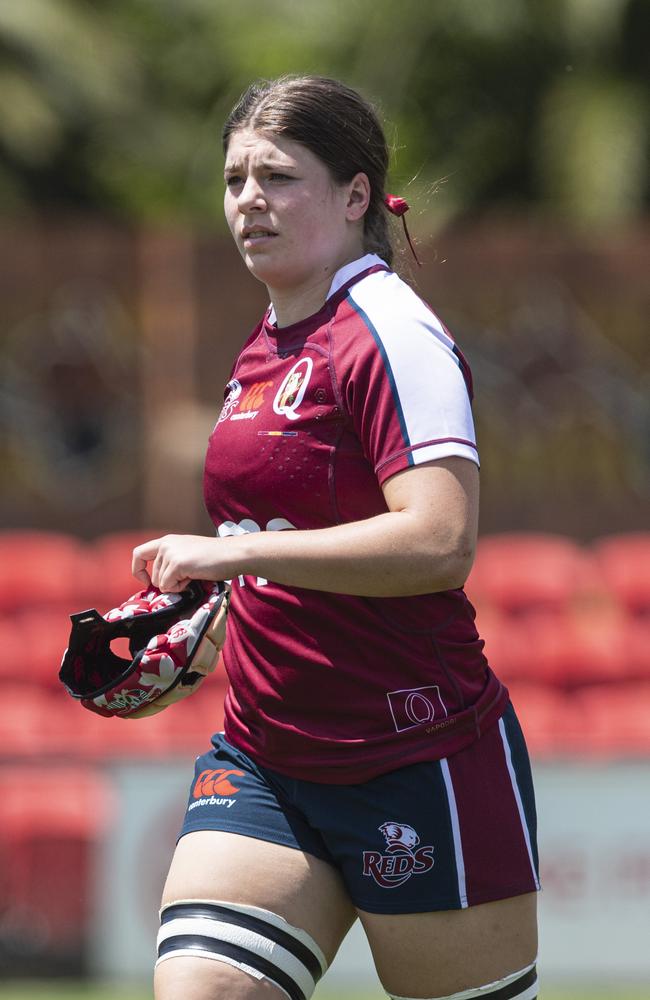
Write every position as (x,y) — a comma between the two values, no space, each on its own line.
(251,197)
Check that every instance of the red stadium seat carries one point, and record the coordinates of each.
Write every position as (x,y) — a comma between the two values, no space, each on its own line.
(606,647)
(73,730)
(575,649)
(31,717)
(12,650)
(624,563)
(520,572)
(615,721)
(545,718)
(31,714)
(43,636)
(24,718)
(50,820)
(42,568)
(506,646)
(637,646)
(566,650)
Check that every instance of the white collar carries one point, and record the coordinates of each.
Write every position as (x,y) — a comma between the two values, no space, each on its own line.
(343,275)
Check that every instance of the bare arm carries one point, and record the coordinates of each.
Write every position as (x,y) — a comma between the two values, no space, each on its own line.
(424,543)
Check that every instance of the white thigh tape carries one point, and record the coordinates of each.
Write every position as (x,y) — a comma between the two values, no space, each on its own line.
(521,985)
(257,941)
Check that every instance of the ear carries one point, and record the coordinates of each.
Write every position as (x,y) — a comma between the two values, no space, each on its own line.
(358,198)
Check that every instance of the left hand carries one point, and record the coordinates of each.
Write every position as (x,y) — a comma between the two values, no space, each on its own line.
(175,560)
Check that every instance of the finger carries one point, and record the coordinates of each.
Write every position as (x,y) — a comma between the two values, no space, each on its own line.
(171,582)
(167,576)
(157,568)
(175,588)
(143,577)
(142,554)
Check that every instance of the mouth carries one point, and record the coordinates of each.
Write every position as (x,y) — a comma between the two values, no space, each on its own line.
(255,234)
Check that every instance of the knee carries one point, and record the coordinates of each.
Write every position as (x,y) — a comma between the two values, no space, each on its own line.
(189,978)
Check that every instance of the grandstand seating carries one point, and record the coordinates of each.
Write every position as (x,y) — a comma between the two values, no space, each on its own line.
(617,719)
(45,567)
(545,716)
(43,635)
(564,625)
(521,572)
(50,819)
(23,720)
(564,650)
(567,628)
(624,564)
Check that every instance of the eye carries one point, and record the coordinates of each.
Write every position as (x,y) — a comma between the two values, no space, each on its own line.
(233,180)
(275,176)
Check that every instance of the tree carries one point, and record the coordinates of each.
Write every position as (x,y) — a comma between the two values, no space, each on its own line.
(117,106)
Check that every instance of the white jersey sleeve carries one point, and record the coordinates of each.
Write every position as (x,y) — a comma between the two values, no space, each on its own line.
(409,390)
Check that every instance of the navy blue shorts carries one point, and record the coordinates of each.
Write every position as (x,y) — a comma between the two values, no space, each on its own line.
(439,835)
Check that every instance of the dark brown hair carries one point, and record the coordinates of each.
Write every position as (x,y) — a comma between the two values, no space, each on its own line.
(336,124)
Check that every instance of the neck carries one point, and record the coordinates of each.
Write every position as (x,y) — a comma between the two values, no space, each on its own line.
(294,304)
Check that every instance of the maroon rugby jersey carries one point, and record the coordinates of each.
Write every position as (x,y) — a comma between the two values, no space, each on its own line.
(317,415)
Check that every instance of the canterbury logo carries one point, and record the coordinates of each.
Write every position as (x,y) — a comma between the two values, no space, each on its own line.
(255,396)
(216,783)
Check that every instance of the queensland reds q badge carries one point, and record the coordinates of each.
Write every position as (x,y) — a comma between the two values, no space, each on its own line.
(402,859)
(292,391)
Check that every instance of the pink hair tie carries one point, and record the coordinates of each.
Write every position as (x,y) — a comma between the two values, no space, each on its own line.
(399,207)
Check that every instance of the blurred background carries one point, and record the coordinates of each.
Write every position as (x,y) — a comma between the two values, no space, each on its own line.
(520,136)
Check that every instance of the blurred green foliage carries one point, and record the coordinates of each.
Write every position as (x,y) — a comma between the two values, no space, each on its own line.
(115,106)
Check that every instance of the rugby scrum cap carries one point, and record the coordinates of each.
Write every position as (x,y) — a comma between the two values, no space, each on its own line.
(174,642)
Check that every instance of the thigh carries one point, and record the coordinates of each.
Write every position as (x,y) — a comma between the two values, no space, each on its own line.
(438,954)
(305,891)
(212,865)
(255,888)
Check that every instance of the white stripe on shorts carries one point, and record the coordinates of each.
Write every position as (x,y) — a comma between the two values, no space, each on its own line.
(520,805)
(455,826)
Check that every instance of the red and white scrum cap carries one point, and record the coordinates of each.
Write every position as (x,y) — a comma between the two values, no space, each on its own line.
(174,642)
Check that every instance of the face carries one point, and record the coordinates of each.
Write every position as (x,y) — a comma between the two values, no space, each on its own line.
(292,224)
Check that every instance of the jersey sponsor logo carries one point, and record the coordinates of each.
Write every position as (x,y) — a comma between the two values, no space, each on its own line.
(233,392)
(251,401)
(292,389)
(216,782)
(214,788)
(229,528)
(412,707)
(403,857)
(255,396)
